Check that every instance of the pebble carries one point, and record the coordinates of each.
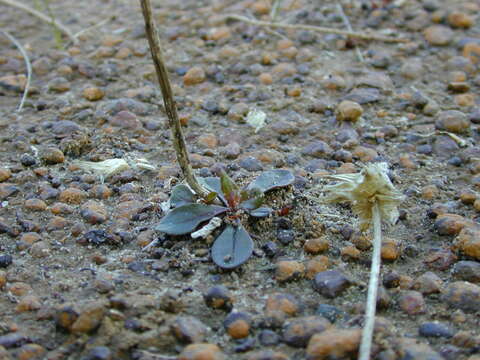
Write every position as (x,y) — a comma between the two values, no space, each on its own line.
(73,196)
(435,329)
(126,120)
(28,303)
(99,353)
(90,318)
(452,120)
(459,19)
(5,261)
(289,270)
(30,351)
(412,303)
(468,242)
(471,51)
(219,297)
(440,259)
(195,75)
(59,85)
(27,160)
(102,192)
(238,324)
(317,149)
(298,331)
(231,151)
(315,265)
(188,329)
(467,271)
(462,295)
(13,340)
(93,212)
(285,236)
(316,245)
(390,250)
(40,249)
(331,283)
(268,337)
(202,351)
(334,343)
(52,155)
(35,205)
(267,355)
(93,93)
(65,316)
(3,279)
(349,111)
(428,283)
(413,349)
(14,82)
(283,303)
(5,174)
(438,35)
(450,224)
(250,163)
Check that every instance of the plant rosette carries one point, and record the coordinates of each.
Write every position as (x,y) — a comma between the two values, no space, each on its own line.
(233,246)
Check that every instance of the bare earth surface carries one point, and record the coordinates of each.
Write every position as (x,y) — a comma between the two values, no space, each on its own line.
(76,281)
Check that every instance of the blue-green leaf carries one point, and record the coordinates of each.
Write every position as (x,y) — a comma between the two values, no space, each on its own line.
(272,179)
(261,212)
(184,219)
(181,195)
(252,199)
(232,248)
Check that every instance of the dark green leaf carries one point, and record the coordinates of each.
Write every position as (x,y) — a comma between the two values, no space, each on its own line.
(229,189)
(251,199)
(210,197)
(213,184)
(272,179)
(232,248)
(181,195)
(261,212)
(184,219)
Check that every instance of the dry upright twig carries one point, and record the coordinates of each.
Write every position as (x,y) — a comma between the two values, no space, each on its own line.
(346,22)
(320,29)
(27,64)
(168,100)
(42,17)
(373,198)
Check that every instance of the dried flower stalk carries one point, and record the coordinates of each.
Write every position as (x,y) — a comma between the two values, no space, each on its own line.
(373,198)
(168,100)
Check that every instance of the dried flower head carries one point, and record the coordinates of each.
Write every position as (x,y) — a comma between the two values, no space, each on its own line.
(365,188)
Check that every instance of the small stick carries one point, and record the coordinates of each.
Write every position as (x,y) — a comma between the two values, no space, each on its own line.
(325,30)
(275,8)
(27,64)
(42,17)
(349,28)
(367,334)
(168,100)
(101,23)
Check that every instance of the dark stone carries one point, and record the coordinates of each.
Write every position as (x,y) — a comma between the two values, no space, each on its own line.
(99,353)
(245,345)
(249,163)
(330,312)
(268,338)
(318,149)
(435,329)
(297,332)
(331,283)
(467,271)
(285,236)
(218,297)
(97,237)
(28,160)
(5,261)
(189,329)
(64,127)
(450,352)
(364,95)
(425,149)
(270,248)
(13,340)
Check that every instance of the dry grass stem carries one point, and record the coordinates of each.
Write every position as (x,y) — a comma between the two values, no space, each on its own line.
(168,100)
(347,24)
(27,64)
(41,16)
(324,30)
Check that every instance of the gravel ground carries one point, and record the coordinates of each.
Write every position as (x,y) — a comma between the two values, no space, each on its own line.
(83,274)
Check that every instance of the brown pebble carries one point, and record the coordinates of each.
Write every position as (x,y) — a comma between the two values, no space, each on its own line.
(40,249)
(390,250)
(412,303)
(30,352)
(298,331)
(202,351)
(428,283)
(60,208)
(452,120)
(440,259)
(94,212)
(52,156)
(5,174)
(316,245)
(284,303)
(207,140)
(90,318)
(57,223)
(288,270)
(28,239)
(349,111)
(315,265)
(237,325)
(19,288)
(93,93)
(73,196)
(194,76)
(460,20)
(265,78)
(465,100)
(365,154)
(102,192)
(450,224)
(438,35)
(65,317)
(350,252)
(430,192)
(294,92)
(468,197)
(35,205)
(334,343)
(188,329)
(468,242)
(3,279)
(28,303)
(471,51)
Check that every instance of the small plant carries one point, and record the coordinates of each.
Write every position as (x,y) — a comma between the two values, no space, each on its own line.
(234,245)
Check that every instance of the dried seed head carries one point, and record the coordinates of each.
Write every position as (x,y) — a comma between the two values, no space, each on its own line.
(365,188)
